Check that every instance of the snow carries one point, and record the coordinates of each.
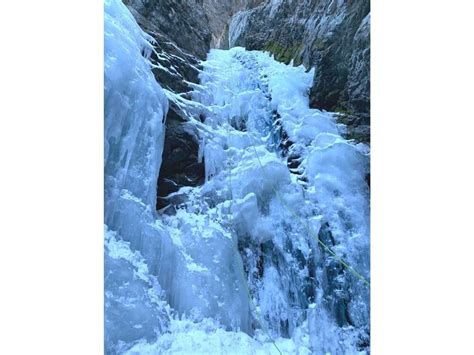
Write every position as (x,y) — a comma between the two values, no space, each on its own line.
(133,297)
(207,337)
(238,265)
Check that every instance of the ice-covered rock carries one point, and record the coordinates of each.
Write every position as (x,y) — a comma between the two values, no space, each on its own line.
(135,107)
(134,306)
(285,220)
(237,263)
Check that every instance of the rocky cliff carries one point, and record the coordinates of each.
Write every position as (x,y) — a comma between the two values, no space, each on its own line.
(331,35)
(182,21)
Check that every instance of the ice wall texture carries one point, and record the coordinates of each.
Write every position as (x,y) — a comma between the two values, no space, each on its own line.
(234,264)
(135,107)
(279,176)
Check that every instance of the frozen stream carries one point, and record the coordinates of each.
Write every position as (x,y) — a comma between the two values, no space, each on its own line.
(233,266)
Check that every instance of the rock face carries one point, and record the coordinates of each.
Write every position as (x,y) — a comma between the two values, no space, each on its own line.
(331,35)
(182,21)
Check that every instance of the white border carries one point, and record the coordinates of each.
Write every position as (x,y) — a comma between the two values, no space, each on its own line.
(51,298)
(422,177)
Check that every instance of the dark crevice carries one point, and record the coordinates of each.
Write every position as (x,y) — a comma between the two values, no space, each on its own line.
(180,166)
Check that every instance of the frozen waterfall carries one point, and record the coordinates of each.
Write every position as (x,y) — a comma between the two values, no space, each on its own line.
(239,265)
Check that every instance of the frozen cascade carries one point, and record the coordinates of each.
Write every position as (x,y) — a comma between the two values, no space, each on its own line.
(135,107)
(230,266)
(273,167)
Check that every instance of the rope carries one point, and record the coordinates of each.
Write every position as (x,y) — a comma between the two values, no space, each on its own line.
(306,225)
(258,318)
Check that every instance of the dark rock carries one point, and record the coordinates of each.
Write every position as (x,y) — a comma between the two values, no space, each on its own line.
(194,25)
(180,166)
(182,21)
(358,127)
(182,37)
(358,84)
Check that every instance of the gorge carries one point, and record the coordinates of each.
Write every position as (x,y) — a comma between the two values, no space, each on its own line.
(237,214)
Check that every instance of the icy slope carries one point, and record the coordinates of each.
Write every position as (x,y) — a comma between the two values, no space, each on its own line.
(278,178)
(234,265)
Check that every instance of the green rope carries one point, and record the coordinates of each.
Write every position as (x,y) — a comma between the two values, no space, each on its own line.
(306,225)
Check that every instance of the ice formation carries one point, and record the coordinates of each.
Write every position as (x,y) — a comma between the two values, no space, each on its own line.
(235,265)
